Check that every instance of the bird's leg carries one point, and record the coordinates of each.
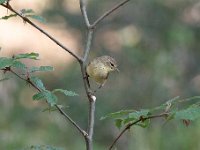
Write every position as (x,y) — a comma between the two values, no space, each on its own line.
(100,86)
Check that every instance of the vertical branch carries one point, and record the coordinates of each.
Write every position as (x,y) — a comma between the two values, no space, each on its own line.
(91,117)
(88,44)
(91,98)
(83,4)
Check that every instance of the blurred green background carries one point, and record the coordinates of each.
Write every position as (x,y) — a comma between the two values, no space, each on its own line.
(156,44)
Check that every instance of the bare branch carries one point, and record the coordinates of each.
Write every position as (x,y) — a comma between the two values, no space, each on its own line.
(128,126)
(91,120)
(72,121)
(83,4)
(88,44)
(91,113)
(58,108)
(108,13)
(44,32)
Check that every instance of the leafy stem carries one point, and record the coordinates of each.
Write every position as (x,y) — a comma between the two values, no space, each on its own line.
(129,125)
(25,19)
(57,106)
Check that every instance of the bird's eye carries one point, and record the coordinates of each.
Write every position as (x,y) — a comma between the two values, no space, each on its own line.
(112,64)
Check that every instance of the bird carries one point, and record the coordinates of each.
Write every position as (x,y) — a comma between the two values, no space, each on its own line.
(99,68)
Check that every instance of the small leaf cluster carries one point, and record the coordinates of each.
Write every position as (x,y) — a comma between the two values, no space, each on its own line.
(27,13)
(6,63)
(10,64)
(169,111)
(3,1)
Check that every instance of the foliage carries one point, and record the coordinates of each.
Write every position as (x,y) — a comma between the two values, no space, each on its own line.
(28,13)
(8,64)
(3,1)
(168,48)
(125,117)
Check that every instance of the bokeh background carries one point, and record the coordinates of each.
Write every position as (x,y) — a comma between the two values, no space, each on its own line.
(157,46)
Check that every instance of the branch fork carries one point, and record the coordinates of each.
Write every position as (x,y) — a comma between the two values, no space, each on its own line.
(82,61)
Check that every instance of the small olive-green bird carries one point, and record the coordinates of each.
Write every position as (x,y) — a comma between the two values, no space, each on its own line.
(99,69)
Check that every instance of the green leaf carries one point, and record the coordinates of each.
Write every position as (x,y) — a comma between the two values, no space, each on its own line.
(133,116)
(169,117)
(27,11)
(49,96)
(66,92)
(38,18)
(128,120)
(3,1)
(138,114)
(191,113)
(37,82)
(166,106)
(118,123)
(27,55)
(173,100)
(9,16)
(41,68)
(19,65)
(42,147)
(8,62)
(190,99)
(30,13)
(118,114)
(5,62)
(144,124)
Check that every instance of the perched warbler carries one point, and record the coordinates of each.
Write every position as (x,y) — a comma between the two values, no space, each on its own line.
(99,69)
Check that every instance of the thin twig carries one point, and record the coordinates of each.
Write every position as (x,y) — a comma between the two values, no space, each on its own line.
(91,101)
(58,108)
(42,31)
(72,121)
(88,44)
(83,4)
(128,126)
(108,13)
